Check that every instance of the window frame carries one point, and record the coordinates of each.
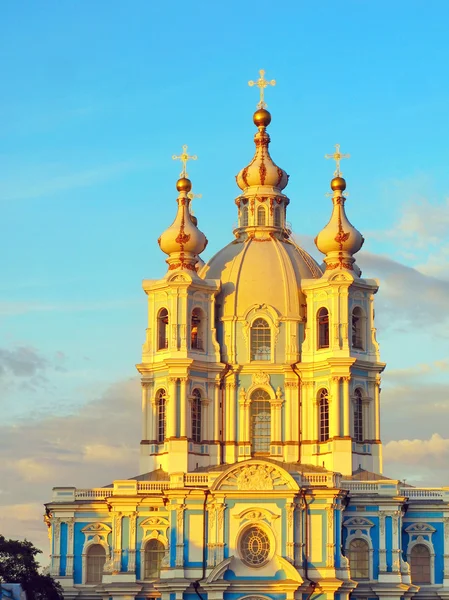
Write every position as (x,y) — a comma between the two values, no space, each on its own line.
(146,562)
(366,559)
(358,329)
(323,415)
(358,416)
(261,210)
(196,416)
(161,415)
(260,435)
(244,216)
(199,345)
(323,328)
(162,328)
(256,339)
(430,562)
(89,561)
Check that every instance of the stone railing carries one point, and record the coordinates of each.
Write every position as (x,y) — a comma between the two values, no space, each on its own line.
(132,487)
(392,487)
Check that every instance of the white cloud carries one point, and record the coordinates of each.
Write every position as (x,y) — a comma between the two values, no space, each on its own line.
(76,450)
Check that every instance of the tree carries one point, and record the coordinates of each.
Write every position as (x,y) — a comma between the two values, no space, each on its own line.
(18,565)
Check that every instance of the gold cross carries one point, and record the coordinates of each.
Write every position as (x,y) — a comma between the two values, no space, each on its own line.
(337,156)
(184,157)
(262,83)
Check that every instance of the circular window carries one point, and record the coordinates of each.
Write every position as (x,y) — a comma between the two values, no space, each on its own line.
(254,547)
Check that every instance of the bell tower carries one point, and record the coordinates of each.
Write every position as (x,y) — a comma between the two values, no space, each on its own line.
(181,357)
(340,365)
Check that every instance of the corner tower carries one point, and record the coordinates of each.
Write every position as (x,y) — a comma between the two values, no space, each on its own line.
(340,364)
(181,357)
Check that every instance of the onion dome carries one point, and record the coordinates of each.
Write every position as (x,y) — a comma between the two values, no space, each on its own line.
(183,241)
(339,240)
(262,171)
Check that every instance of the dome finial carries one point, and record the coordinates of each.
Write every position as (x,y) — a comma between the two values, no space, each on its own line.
(262,83)
(339,240)
(183,241)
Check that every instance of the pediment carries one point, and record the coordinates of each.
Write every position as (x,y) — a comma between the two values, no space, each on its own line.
(256,514)
(155,523)
(96,529)
(255,476)
(420,528)
(358,523)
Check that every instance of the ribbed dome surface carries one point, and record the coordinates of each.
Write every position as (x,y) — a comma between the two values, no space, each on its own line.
(256,271)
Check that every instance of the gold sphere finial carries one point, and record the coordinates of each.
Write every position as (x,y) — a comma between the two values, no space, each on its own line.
(262,118)
(183,185)
(338,183)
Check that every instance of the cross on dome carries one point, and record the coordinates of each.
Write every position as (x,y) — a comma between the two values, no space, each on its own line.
(184,157)
(337,156)
(262,83)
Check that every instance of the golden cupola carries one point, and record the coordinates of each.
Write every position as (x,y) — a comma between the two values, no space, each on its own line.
(262,204)
(183,241)
(339,240)
(262,172)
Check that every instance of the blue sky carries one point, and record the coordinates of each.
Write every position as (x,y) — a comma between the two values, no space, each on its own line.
(96,97)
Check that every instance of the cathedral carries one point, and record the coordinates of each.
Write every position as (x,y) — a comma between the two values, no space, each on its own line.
(261,454)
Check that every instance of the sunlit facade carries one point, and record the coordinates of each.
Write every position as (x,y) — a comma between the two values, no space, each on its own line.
(261,455)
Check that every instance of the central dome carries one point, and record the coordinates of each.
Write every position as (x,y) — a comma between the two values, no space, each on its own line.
(261,270)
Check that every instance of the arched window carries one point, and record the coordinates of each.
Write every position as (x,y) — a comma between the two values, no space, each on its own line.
(244,216)
(154,555)
(359,559)
(358,416)
(160,415)
(420,564)
(323,328)
(196,416)
(96,557)
(260,340)
(277,216)
(323,416)
(162,329)
(197,330)
(261,216)
(357,329)
(260,415)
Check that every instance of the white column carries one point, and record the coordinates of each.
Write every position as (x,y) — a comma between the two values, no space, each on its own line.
(242,416)
(290,533)
(377,408)
(446,550)
(171,408)
(117,536)
(205,425)
(217,411)
(289,415)
(346,408)
(230,411)
(382,544)
(180,534)
(145,410)
(335,408)
(366,424)
(70,546)
(330,545)
(183,408)
(132,543)
(56,554)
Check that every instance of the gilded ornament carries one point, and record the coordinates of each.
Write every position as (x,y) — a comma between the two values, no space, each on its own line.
(262,118)
(262,83)
(338,156)
(184,157)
